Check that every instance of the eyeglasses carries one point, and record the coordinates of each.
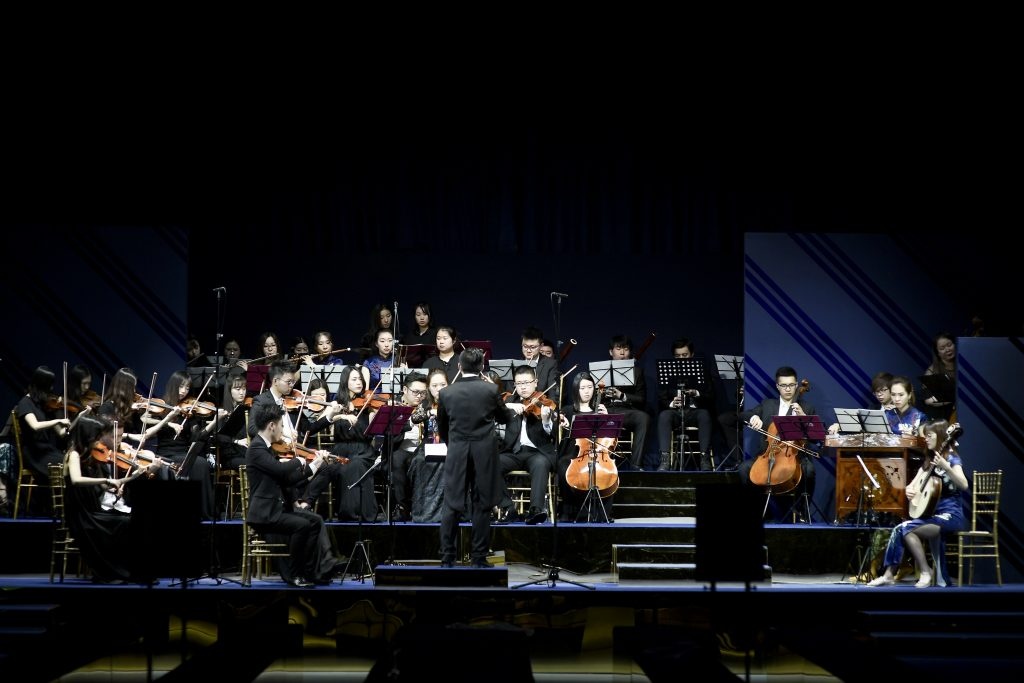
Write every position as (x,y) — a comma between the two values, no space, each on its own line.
(531,347)
(289,382)
(526,384)
(787,386)
(418,392)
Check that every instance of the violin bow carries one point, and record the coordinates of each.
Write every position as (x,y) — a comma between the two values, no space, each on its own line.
(65,390)
(190,410)
(372,393)
(103,388)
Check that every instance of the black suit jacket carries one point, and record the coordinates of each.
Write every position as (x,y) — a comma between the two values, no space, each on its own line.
(766,410)
(466,413)
(534,429)
(268,478)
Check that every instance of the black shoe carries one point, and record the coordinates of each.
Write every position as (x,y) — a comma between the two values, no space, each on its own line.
(322,581)
(299,582)
(400,514)
(480,564)
(507,515)
(536,516)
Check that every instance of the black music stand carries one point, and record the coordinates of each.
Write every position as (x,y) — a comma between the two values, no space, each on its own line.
(256,378)
(731,367)
(681,375)
(943,388)
(799,428)
(484,345)
(389,421)
(593,427)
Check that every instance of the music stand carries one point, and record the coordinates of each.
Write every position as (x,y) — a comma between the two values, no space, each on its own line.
(392,380)
(388,421)
(614,373)
(942,387)
(861,421)
(198,377)
(799,428)
(256,378)
(330,374)
(503,368)
(416,355)
(360,547)
(731,367)
(682,374)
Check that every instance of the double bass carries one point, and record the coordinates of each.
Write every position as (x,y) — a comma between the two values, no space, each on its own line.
(778,467)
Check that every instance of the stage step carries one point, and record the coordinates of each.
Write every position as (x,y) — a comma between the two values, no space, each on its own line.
(945,634)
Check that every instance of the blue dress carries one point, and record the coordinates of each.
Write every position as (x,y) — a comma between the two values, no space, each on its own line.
(948,516)
(908,422)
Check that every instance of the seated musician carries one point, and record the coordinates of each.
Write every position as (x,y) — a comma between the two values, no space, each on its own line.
(383,355)
(585,401)
(904,418)
(422,334)
(405,449)
(546,368)
(629,401)
(788,402)
(528,445)
(323,350)
(446,359)
(699,401)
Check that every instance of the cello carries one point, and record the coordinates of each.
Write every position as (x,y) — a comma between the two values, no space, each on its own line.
(778,467)
(594,462)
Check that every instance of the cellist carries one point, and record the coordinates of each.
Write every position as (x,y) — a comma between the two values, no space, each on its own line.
(788,402)
(584,400)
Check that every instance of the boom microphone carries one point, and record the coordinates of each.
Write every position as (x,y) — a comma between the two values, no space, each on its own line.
(559,294)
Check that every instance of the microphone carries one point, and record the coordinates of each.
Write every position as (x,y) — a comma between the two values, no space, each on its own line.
(559,294)
(221,289)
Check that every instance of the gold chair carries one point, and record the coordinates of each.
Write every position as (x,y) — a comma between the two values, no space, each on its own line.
(228,479)
(518,482)
(982,539)
(63,545)
(256,552)
(25,478)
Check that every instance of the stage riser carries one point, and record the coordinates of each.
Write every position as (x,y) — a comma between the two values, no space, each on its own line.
(581,548)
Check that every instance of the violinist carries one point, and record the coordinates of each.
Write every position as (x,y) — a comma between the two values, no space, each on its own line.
(788,402)
(349,422)
(317,415)
(80,393)
(631,402)
(231,444)
(446,359)
(269,512)
(42,432)
(947,517)
(102,535)
(175,437)
(528,444)
(585,400)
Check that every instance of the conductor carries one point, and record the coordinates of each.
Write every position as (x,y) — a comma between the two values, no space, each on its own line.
(466,414)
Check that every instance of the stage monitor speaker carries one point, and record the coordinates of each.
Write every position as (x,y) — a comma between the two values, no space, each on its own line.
(730,533)
(166,529)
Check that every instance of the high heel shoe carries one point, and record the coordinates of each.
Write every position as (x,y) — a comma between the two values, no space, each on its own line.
(925,581)
(881,581)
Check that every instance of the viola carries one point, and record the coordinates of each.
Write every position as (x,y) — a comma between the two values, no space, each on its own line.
(778,467)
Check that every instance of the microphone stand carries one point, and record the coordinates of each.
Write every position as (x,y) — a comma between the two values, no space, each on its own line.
(360,545)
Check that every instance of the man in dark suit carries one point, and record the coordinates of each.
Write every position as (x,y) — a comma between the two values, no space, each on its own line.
(631,402)
(546,369)
(528,446)
(466,413)
(789,402)
(268,479)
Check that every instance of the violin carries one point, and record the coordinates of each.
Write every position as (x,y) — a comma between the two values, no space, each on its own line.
(91,399)
(536,402)
(375,401)
(152,405)
(778,467)
(297,450)
(293,400)
(56,403)
(100,452)
(191,405)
